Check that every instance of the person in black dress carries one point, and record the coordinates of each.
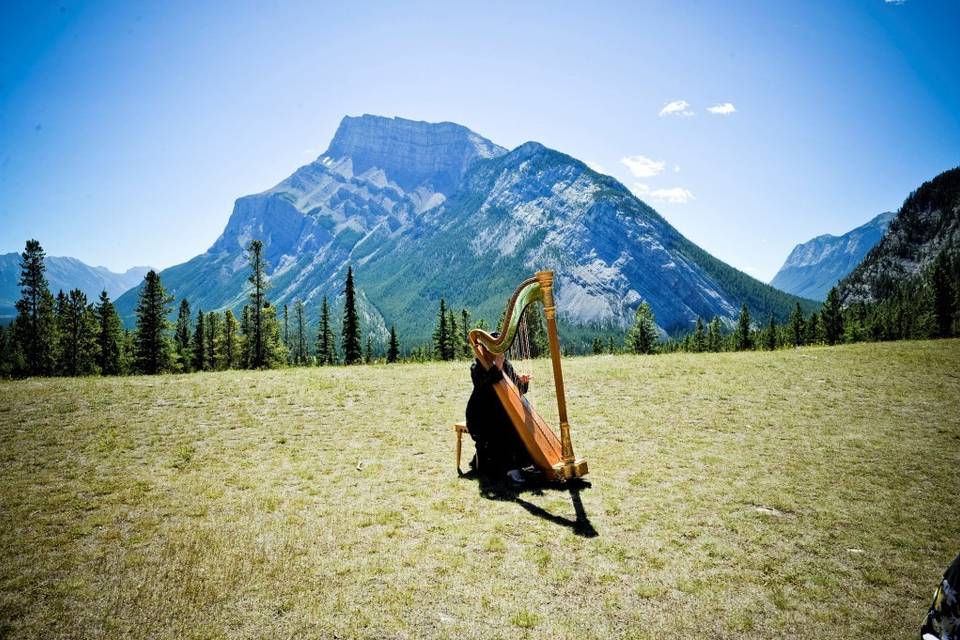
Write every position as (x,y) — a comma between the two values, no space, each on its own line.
(500,451)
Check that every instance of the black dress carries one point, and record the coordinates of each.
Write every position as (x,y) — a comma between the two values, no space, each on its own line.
(499,448)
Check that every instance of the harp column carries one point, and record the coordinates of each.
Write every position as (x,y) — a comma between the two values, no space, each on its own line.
(545,278)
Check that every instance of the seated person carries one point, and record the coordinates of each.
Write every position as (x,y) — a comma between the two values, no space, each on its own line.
(499,449)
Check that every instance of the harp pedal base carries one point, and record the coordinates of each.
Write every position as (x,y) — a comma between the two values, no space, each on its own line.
(568,470)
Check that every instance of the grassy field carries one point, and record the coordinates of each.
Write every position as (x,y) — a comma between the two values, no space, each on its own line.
(810,493)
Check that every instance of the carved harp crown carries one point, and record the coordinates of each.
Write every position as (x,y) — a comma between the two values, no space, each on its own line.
(554,456)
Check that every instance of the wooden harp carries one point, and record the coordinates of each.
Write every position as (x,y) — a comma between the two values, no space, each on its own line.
(552,455)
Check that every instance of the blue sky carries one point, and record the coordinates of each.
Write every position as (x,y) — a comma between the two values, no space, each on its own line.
(128,129)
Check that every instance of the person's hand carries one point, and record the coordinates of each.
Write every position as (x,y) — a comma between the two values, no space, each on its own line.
(525,378)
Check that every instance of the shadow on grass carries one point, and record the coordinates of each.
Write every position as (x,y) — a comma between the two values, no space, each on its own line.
(495,489)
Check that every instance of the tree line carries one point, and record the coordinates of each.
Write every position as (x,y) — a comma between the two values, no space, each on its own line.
(65,335)
(924,306)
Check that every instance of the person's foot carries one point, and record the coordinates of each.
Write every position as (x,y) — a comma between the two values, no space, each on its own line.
(515,476)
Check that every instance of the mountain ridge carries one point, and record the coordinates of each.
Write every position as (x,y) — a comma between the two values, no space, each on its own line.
(813,267)
(414,236)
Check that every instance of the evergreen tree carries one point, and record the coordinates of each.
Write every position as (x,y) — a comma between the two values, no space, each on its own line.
(201,355)
(943,295)
(796,326)
(832,317)
(742,339)
(441,335)
(36,322)
(231,341)
(246,342)
(109,337)
(258,300)
(597,346)
(326,350)
(611,348)
(214,339)
(642,336)
(770,335)
(393,352)
(6,352)
(181,337)
(699,337)
(286,330)
(813,329)
(300,353)
(715,335)
(152,345)
(453,333)
(539,341)
(351,323)
(78,335)
(275,352)
(465,342)
(368,351)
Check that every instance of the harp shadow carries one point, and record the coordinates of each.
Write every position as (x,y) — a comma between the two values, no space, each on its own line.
(494,489)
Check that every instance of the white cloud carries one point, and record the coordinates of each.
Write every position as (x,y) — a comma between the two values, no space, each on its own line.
(895,1)
(677,108)
(674,195)
(642,166)
(596,166)
(723,109)
(676,168)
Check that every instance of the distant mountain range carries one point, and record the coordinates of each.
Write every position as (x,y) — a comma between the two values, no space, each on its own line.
(927,223)
(424,210)
(66,274)
(815,266)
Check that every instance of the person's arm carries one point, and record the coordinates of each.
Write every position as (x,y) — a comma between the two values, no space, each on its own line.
(522,382)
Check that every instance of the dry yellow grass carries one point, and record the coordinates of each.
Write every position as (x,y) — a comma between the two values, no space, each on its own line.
(809,493)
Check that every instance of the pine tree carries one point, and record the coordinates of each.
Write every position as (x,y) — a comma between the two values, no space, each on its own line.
(368,351)
(453,333)
(286,330)
(214,339)
(201,355)
(181,337)
(597,346)
(699,337)
(275,351)
(258,300)
(813,328)
(770,335)
(231,341)
(326,350)
(539,341)
(36,322)
(78,335)
(796,326)
(742,339)
(300,349)
(642,336)
(393,352)
(832,317)
(465,341)
(351,323)
(441,335)
(246,342)
(611,348)
(7,363)
(715,335)
(943,295)
(152,344)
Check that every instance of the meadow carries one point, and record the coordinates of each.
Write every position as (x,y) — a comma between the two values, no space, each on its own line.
(799,493)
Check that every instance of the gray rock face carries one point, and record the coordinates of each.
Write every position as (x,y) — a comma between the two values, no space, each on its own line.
(66,274)
(927,223)
(424,211)
(412,153)
(815,266)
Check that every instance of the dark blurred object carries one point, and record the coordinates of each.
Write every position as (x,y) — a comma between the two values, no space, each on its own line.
(943,619)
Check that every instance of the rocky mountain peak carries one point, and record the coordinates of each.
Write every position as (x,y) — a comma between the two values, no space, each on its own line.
(411,153)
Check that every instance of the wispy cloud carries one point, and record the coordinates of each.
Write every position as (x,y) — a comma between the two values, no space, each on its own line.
(642,166)
(723,109)
(895,1)
(677,108)
(674,195)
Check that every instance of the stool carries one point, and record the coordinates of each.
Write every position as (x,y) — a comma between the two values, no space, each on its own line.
(461,428)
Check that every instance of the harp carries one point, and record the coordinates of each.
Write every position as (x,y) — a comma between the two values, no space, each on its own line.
(552,455)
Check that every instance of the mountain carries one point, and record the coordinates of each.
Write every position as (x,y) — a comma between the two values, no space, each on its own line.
(66,274)
(815,266)
(926,224)
(427,210)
